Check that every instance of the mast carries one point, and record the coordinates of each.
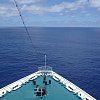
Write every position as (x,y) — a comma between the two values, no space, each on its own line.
(45,68)
(45,61)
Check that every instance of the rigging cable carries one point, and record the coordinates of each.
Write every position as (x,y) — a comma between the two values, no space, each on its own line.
(19,11)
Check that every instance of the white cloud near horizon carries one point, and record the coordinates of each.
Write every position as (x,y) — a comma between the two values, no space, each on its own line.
(57,8)
(30,6)
(26,1)
(7,11)
(95,3)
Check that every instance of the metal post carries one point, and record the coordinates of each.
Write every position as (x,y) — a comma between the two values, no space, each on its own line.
(45,61)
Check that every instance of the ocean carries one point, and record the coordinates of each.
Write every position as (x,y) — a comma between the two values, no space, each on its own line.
(72,52)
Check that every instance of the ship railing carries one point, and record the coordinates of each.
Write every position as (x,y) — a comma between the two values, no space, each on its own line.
(17,84)
(72,87)
(43,68)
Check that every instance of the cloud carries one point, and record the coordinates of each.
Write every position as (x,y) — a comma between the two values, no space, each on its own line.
(57,8)
(32,7)
(26,1)
(95,3)
(7,11)
(88,14)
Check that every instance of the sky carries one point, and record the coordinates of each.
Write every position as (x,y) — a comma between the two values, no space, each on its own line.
(51,13)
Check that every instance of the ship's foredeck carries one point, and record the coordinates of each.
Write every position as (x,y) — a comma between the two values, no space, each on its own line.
(55,91)
(43,84)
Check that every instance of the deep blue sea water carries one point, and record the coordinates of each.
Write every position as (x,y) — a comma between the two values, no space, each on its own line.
(74,53)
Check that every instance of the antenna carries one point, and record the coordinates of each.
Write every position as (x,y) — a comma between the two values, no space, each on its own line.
(45,61)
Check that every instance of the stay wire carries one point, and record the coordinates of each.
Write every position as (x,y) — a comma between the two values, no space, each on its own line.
(19,11)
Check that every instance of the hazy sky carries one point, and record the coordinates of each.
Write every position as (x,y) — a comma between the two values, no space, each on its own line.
(51,13)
